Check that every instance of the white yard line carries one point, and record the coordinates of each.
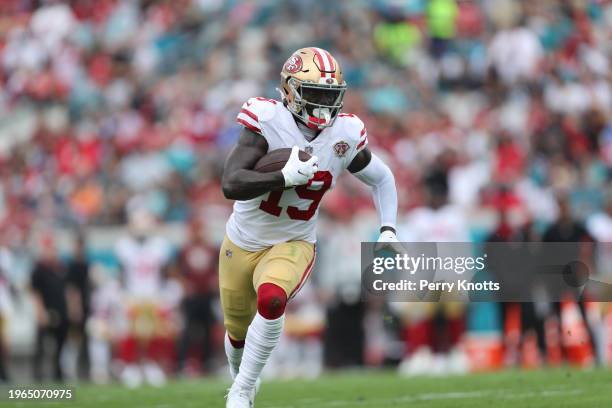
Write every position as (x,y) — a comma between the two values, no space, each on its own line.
(507,393)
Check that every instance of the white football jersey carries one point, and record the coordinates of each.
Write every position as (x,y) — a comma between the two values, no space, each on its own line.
(289,215)
(143,262)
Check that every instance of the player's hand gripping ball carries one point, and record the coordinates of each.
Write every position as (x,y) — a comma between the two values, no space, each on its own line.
(297,166)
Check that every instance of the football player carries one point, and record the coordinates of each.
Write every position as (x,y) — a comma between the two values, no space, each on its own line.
(269,248)
(143,257)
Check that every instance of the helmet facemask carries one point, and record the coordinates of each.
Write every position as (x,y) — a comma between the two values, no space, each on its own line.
(316,105)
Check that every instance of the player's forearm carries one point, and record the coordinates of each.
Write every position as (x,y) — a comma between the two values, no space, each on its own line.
(385,200)
(247,184)
(384,193)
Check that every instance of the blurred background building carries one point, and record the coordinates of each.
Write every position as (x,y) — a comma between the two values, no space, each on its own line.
(495,116)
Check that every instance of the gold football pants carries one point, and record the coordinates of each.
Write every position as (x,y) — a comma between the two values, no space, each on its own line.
(241,272)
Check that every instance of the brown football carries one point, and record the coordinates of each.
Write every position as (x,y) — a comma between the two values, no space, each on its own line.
(276,159)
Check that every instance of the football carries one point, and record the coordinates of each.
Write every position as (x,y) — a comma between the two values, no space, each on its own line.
(276,159)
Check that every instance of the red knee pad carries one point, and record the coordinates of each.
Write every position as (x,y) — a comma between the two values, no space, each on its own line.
(236,343)
(271,301)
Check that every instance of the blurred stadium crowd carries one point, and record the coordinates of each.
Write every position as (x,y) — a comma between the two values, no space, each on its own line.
(495,116)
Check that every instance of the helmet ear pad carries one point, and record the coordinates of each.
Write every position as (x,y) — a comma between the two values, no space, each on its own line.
(293,94)
(285,86)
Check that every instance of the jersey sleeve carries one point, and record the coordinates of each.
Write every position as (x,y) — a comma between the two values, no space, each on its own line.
(255,112)
(356,133)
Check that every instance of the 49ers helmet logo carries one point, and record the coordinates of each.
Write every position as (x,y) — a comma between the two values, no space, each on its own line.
(341,148)
(293,64)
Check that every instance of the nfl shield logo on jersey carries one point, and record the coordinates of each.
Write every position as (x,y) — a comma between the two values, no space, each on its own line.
(308,149)
(341,148)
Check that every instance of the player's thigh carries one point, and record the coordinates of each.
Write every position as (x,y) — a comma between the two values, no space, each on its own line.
(287,265)
(238,298)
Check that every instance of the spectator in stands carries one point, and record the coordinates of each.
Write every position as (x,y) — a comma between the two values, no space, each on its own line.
(441,24)
(515,53)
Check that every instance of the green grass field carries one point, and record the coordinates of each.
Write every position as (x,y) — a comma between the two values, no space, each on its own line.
(552,388)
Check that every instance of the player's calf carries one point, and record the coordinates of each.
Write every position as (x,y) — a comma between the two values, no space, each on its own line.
(233,351)
(263,335)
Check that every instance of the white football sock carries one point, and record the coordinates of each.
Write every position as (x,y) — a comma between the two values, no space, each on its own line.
(263,335)
(234,356)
